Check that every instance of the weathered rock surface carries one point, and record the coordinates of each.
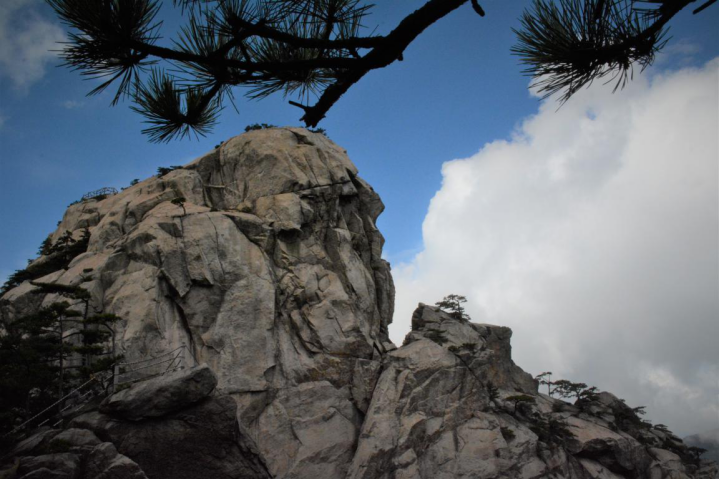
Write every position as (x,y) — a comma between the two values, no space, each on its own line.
(271,274)
(104,462)
(66,465)
(161,396)
(442,408)
(202,440)
(86,457)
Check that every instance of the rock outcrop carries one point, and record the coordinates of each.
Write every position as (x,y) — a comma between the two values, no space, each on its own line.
(169,393)
(443,408)
(202,440)
(268,268)
(70,454)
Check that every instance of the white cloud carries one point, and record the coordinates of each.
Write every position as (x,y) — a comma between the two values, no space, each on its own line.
(681,52)
(26,41)
(594,233)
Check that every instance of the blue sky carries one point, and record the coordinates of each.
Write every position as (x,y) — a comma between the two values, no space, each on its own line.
(458,89)
(425,132)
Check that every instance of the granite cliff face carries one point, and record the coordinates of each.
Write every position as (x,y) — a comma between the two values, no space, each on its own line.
(270,273)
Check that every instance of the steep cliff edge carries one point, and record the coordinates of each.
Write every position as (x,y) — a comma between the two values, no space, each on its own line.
(267,267)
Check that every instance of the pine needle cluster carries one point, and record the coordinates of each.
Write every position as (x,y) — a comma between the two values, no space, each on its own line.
(269,46)
(316,50)
(567,44)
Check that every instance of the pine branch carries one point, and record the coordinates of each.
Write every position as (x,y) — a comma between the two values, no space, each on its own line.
(395,44)
(243,27)
(175,113)
(308,47)
(314,49)
(569,44)
(106,31)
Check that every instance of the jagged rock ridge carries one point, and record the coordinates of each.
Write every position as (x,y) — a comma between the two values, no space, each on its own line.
(270,272)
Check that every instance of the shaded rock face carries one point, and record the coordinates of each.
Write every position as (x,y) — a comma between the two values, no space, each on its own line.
(202,440)
(168,393)
(271,274)
(84,456)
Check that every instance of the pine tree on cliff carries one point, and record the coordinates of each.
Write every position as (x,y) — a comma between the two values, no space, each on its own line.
(315,49)
(452,304)
(45,354)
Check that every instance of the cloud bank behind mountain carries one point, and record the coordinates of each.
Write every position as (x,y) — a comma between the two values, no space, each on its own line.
(593,232)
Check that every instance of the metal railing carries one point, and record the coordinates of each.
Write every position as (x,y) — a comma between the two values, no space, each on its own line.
(76,398)
(107,191)
(144,369)
(105,383)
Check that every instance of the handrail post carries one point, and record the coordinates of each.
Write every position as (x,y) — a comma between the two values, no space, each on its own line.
(115,377)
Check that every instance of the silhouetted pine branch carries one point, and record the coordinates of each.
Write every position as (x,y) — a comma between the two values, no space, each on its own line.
(567,44)
(315,50)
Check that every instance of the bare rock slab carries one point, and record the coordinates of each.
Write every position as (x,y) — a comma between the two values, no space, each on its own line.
(163,395)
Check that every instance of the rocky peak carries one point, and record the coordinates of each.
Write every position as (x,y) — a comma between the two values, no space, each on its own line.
(451,403)
(484,349)
(269,270)
(276,234)
(262,260)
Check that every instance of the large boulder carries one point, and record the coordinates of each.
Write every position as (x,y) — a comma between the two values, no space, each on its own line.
(77,438)
(202,440)
(163,395)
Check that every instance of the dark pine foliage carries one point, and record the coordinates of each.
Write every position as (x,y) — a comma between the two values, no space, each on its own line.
(552,431)
(452,304)
(316,50)
(57,257)
(258,126)
(567,44)
(163,170)
(46,354)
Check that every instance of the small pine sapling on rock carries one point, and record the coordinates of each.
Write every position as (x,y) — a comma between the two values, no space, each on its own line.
(163,170)
(662,428)
(180,201)
(568,389)
(552,431)
(132,183)
(452,304)
(46,247)
(546,378)
(589,395)
(507,434)
(695,454)
(523,399)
